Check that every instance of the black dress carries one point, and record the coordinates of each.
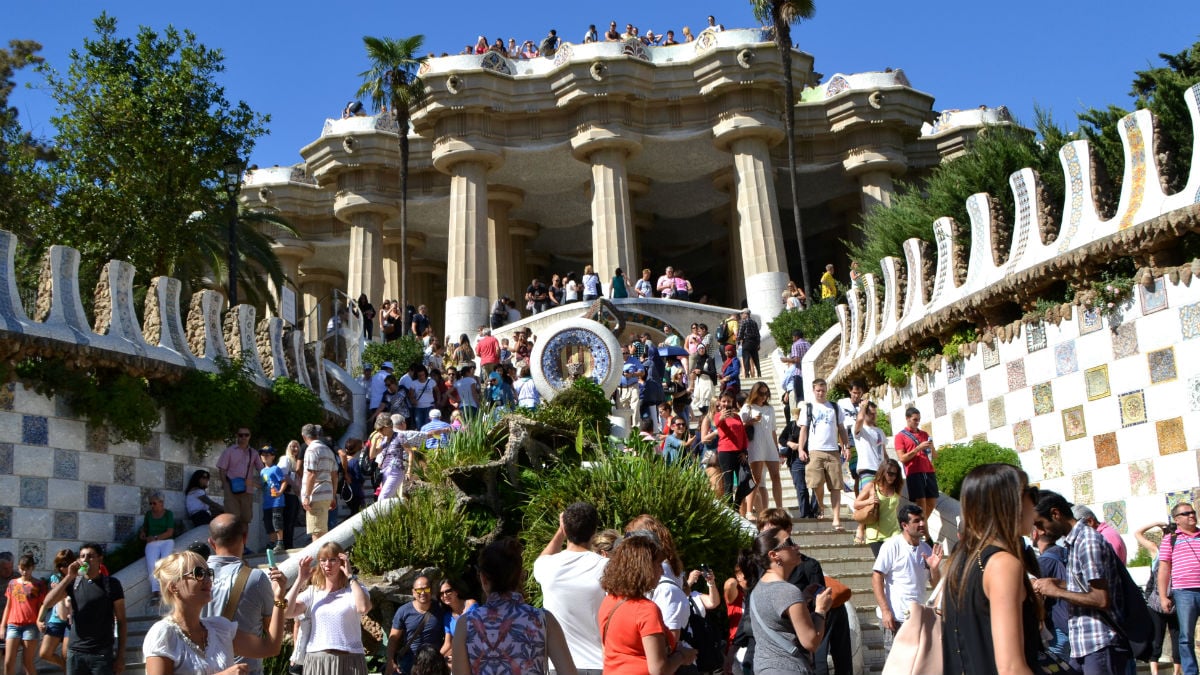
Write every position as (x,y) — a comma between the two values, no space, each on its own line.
(967,629)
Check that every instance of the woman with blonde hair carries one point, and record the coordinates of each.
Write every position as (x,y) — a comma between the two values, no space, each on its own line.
(293,469)
(687,34)
(758,414)
(56,619)
(183,643)
(335,601)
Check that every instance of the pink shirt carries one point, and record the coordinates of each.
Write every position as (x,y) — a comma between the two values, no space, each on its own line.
(1114,539)
(233,463)
(1184,559)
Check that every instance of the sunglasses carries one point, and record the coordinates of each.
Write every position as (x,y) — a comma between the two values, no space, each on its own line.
(422,591)
(200,573)
(448,591)
(1186,514)
(786,543)
(243,435)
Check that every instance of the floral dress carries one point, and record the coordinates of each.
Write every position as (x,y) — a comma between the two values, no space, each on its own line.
(505,636)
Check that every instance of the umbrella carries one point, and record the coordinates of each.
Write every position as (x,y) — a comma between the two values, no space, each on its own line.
(669,350)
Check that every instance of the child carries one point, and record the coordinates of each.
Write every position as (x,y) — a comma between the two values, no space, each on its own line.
(677,442)
(456,420)
(274,481)
(24,595)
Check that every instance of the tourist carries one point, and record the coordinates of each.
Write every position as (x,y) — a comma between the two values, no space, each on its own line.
(396,400)
(990,617)
(464,354)
(481,45)
(618,289)
(158,531)
(513,51)
(528,51)
(1110,534)
(823,447)
(320,475)
(528,396)
(350,463)
(643,286)
(829,287)
(883,492)
(503,635)
(468,391)
(732,441)
(422,396)
(591,35)
(677,443)
(712,24)
(415,626)
(366,310)
(274,479)
(570,289)
(666,283)
(611,35)
(199,506)
(759,415)
(905,567)
(796,354)
(54,620)
(650,39)
(450,594)
(570,581)
(556,289)
(95,607)
(787,633)
(1052,563)
(437,431)
(249,603)
(420,321)
(499,394)
(634,637)
(687,34)
(1164,623)
(537,296)
(730,377)
(378,388)
(499,315)
(630,32)
(514,314)
(683,287)
(1093,583)
(793,297)
(549,44)
(1179,580)
(498,47)
(670,40)
(748,340)
(393,323)
(855,276)
(335,601)
(868,444)
(239,466)
(591,284)
(23,602)
(734,591)
(916,453)
(395,459)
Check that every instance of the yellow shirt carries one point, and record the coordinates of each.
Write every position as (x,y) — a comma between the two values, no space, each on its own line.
(828,286)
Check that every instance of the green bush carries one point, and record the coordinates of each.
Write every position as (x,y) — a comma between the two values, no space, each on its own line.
(120,402)
(479,442)
(1141,558)
(402,352)
(955,461)
(583,403)
(812,322)
(430,529)
(623,486)
(209,407)
(290,406)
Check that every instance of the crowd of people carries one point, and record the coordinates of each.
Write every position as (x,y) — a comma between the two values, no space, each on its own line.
(550,44)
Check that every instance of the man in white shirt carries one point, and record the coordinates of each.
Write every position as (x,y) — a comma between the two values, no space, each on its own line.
(905,567)
(823,447)
(570,581)
(378,387)
(848,407)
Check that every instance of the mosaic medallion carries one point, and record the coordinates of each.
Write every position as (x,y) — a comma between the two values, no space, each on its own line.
(1189,321)
(1043,399)
(575,348)
(1064,358)
(996,417)
(1133,408)
(991,353)
(954,370)
(1114,515)
(1073,423)
(975,390)
(1095,381)
(958,422)
(1082,484)
(1090,320)
(1016,374)
(939,403)
(1035,336)
(1162,365)
(1155,299)
(1052,466)
(922,381)
(1141,478)
(1106,450)
(1023,436)
(1193,389)
(1125,342)
(1170,436)
(1174,499)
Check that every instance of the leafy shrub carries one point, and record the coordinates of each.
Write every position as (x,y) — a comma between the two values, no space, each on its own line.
(290,406)
(430,529)
(896,375)
(120,402)
(623,486)
(1141,559)
(403,352)
(209,407)
(812,322)
(584,403)
(955,461)
(479,442)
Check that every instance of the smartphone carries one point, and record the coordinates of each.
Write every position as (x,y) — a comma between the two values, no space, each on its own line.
(270,558)
(705,569)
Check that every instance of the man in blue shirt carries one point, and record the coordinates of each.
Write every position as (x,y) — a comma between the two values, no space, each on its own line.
(435,425)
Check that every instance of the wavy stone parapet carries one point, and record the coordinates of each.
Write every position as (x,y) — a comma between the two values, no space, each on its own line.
(167,342)
(919,296)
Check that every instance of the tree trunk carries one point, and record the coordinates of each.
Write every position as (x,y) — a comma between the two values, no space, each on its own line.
(783,38)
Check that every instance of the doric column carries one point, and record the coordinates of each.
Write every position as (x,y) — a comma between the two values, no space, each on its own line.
(290,252)
(877,189)
(749,140)
(731,248)
(316,288)
(501,275)
(391,265)
(607,149)
(521,233)
(467,255)
(422,275)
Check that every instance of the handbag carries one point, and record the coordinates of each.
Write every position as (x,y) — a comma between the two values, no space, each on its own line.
(841,592)
(867,515)
(237,485)
(917,647)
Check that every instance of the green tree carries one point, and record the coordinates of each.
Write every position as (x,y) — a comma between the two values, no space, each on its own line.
(391,82)
(22,188)
(142,133)
(782,14)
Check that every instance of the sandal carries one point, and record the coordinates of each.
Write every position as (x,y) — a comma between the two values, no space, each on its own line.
(838,528)
(860,540)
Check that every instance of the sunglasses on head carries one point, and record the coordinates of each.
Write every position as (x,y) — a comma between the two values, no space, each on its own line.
(199,573)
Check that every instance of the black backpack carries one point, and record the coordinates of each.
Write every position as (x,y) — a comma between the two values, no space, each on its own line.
(710,650)
(1133,623)
(722,334)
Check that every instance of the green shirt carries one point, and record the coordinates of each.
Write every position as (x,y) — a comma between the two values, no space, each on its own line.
(156,526)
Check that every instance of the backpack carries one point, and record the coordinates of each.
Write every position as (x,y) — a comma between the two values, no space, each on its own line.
(710,649)
(1134,624)
(722,334)
(1151,590)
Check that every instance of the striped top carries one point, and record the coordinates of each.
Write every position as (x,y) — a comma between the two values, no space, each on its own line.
(1184,558)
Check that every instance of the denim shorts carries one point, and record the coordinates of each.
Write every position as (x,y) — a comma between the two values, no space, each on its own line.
(26,631)
(55,629)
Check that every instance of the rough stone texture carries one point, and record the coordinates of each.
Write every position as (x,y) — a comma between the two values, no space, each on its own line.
(262,338)
(194,328)
(152,322)
(45,292)
(102,304)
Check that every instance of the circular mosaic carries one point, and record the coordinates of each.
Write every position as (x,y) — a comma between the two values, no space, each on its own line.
(575,348)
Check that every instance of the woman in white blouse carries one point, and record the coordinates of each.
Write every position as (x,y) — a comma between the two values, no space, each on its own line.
(757,414)
(182,643)
(335,601)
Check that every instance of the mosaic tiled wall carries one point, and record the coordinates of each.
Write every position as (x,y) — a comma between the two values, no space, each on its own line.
(1105,412)
(62,482)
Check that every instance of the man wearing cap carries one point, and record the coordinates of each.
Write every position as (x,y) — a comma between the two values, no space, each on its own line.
(367,374)
(629,394)
(275,481)
(438,431)
(1088,517)
(239,466)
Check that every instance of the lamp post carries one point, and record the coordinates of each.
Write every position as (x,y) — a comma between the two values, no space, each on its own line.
(232,177)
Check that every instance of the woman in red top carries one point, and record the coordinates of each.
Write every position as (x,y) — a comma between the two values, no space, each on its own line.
(735,602)
(731,440)
(635,639)
(24,595)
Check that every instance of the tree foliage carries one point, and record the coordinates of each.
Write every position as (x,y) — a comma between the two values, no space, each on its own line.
(22,188)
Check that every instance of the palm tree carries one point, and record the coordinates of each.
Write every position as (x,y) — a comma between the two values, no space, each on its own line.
(392,82)
(206,261)
(781,15)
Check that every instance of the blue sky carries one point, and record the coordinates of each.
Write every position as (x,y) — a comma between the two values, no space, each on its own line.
(298,61)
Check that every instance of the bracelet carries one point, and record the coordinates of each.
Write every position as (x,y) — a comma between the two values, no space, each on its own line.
(281,604)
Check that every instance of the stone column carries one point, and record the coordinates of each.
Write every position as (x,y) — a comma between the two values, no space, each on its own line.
(421,276)
(522,233)
(467,255)
(607,150)
(501,274)
(391,265)
(365,268)
(290,252)
(316,287)
(731,250)
(877,189)
(749,140)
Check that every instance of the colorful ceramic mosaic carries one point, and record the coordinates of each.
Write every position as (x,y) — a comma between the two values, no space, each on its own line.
(1035,336)
(1133,408)
(974,390)
(958,421)
(1095,381)
(1016,374)
(1153,300)
(996,417)
(1125,342)
(1194,392)
(1141,478)
(939,403)
(991,354)
(922,381)
(1106,450)
(1137,157)
(954,370)
(1073,423)
(1065,361)
(1170,436)
(1174,499)
(1052,466)
(1043,398)
(1162,365)
(1114,515)
(1082,484)
(1189,321)
(1090,320)
(1075,176)
(1023,436)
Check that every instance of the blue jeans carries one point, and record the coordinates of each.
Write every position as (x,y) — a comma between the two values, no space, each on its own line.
(79,663)
(1187,608)
(420,417)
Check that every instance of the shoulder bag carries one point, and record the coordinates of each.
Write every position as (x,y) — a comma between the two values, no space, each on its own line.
(917,647)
